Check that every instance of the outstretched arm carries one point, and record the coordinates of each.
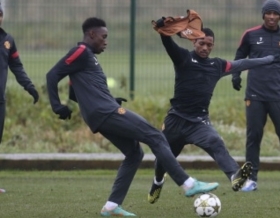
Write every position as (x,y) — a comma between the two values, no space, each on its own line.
(245,64)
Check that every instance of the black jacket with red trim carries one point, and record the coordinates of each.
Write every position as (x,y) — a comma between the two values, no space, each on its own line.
(9,57)
(263,83)
(89,84)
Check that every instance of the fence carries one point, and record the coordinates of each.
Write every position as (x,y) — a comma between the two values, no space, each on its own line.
(46,30)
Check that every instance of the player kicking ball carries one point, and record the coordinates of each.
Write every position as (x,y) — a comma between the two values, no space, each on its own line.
(237,180)
(104,114)
(187,121)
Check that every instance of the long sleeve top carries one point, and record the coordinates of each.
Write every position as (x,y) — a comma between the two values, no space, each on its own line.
(263,83)
(196,78)
(9,58)
(89,84)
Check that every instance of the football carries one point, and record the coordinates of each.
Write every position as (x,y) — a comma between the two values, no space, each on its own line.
(207,205)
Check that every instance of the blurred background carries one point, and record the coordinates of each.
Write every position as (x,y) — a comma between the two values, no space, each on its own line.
(135,62)
(46,30)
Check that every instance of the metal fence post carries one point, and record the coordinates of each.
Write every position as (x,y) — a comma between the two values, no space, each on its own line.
(132,48)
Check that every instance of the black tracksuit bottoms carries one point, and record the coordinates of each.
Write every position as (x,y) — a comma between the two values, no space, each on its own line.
(180,132)
(125,129)
(256,117)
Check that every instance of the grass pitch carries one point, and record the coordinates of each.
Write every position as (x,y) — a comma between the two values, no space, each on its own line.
(81,194)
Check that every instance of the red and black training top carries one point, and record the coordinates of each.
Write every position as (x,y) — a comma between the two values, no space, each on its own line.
(9,57)
(89,84)
(263,83)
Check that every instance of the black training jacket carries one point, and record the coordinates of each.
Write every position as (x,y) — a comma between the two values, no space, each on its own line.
(9,57)
(196,78)
(263,83)
(88,82)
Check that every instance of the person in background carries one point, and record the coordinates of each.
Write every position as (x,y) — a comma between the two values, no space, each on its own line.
(104,114)
(262,96)
(187,121)
(9,57)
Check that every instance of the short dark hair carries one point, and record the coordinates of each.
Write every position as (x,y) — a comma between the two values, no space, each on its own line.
(92,22)
(208,32)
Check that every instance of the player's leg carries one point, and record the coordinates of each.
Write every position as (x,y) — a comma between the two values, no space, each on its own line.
(256,117)
(2,119)
(274,111)
(133,126)
(160,174)
(171,130)
(133,156)
(129,124)
(160,147)
(205,136)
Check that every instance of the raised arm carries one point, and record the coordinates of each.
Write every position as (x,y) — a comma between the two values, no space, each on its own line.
(176,53)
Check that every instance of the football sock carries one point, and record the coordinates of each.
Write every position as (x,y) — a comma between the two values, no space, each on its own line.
(110,205)
(188,184)
(158,183)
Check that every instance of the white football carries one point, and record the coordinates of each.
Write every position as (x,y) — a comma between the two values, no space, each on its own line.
(207,205)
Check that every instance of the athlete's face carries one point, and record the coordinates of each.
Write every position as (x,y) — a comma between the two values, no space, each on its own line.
(204,46)
(271,19)
(98,38)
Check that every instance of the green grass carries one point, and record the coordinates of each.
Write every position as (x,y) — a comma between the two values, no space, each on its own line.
(57,194)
